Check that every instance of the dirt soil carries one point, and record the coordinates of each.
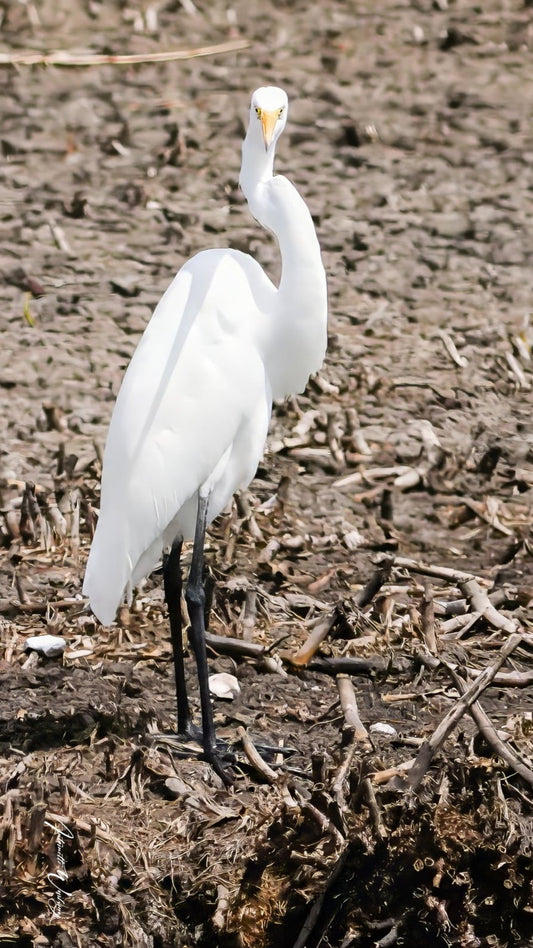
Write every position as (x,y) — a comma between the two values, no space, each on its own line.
(390,519)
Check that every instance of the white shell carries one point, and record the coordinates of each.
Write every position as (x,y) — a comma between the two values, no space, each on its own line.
(224,685)
(386,729)
(49,645)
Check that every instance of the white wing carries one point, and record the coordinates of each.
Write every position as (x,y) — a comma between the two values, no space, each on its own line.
(195,392)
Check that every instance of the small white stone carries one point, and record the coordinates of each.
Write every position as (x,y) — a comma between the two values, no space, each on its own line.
(386,729)
(224,685)
(49,645)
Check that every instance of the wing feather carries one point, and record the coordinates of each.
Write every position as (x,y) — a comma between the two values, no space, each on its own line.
(195,377)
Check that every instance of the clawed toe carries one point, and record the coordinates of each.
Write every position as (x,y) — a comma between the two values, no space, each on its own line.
(269,752)
(190,744)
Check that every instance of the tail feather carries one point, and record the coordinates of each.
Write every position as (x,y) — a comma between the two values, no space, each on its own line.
(107,575)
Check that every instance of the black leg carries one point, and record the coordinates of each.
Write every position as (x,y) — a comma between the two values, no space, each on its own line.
(195,598)
(172,584)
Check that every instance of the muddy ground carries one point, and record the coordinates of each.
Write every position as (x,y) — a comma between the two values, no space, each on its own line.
(407,464)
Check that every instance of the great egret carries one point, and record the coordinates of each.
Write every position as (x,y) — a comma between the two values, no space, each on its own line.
(192,415)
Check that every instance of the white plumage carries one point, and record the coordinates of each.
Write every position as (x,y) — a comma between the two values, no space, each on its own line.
(192,415)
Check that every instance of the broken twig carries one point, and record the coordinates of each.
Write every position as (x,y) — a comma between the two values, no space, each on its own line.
(482,604)
(487,729)
(255,758)
(429,748)
(352,720)
(315,638)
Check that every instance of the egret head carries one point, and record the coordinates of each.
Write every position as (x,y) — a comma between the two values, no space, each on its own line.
(268,110)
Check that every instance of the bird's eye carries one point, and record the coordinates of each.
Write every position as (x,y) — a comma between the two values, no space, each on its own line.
(258,112)
(281,111)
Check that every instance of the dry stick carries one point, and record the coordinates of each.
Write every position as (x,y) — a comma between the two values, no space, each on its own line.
(29,510)
(351,713)
(469,585)
(452,609)
(334,433)
(428,569)
(21,591)
(358,731)
(226,645)
(451,349)
(481,603)
(374,808)
(458,626)
(488,731)
(315,638)
(429,748)
(231,646)
(342,771)
(383,776)
(249,614)
(358,666)
(311,921)
(512,679)
(36,827)
(322,820)
(374,473)
(75,521)
(428,619)
(389,939)
(324,625)
(8,606)
(504,679)
(62,58)
(221,913)
(367,593)
(255,758)
(245,511)
(54,515)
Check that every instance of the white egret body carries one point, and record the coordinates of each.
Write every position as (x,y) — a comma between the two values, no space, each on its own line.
(191,418)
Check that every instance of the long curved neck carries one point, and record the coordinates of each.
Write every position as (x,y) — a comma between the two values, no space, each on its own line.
(302,295)
(276,205)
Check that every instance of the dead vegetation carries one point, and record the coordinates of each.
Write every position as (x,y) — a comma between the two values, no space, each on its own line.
(373,591)
(411,822)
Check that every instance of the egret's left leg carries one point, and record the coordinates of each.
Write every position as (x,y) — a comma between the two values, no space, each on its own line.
(172,585)
(195,599)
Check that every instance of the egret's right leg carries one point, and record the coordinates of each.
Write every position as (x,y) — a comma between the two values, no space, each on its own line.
(214,751)
(195,599)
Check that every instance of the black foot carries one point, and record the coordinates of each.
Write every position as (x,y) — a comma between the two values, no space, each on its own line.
(190,744)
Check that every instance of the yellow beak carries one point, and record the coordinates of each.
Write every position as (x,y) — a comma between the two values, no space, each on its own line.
(268,121)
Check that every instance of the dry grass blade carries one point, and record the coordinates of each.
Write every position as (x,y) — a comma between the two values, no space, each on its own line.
(63,58)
